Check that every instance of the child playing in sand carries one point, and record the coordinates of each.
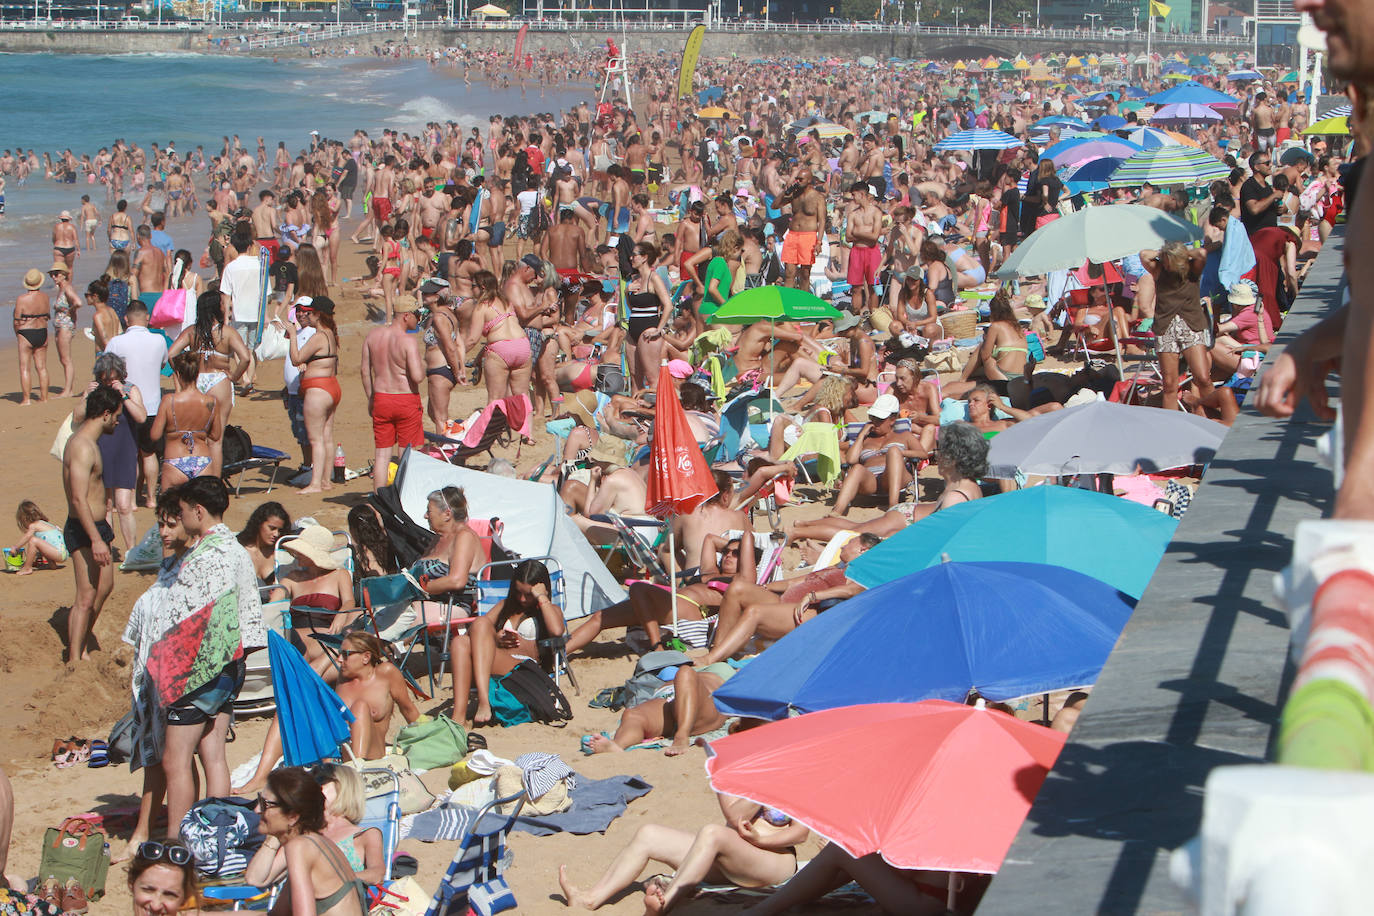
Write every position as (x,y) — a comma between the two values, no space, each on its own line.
(41,538)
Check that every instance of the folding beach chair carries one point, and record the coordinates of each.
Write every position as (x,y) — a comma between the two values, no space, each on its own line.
(252,457)
(493,586)
(480,860)
(455,452)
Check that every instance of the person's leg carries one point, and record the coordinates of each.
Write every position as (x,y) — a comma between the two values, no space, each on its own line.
(820,876)
(271,753)
(150,801)
(482,634)
(739,594)
(821,529)
(25,381)
(772,621)
(858,479)
(178,752)
(518,382)
(317,404)
(637,724)
(693,711)
(608,618)
(360,733)
(460,657)
(64,356)
(124,510)
(104,584)
(6,826)
(652,608)
(495,375)
(651,843)
(799,369)
(439,390)
(87,576)
(40,362)
(148,463)
(718,848)
(896,475)
(1168,370)
(212,756)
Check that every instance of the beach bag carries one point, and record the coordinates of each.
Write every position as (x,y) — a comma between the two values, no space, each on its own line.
(536,694)
(646,683)
(439,742)
(77,849)
(403,897)
(59,442)
(237,445)
(414,796)
(222,834)
(120,744)
(490,897)
(169,310)
(273,344)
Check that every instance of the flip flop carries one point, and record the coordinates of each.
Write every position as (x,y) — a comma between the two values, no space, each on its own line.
(100,754)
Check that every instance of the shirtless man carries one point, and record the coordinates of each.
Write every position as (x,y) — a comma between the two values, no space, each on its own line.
(849,162)
(494,211)
(871,166)
(619,221)
(65,240)
(566,244)
(690,712)
(87,534)
(865,222)
(1262,119)
(266,226)
(803,241)
(150,269)
(383,182)
(392,370)
(636,161)
(90,219)
(566,200)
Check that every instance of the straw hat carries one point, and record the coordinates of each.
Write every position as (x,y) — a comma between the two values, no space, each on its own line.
(315,544)
(405,304)
(60,266)
(1241,293)
(33,279)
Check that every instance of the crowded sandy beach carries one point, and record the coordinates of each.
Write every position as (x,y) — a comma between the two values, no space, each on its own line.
(638,488)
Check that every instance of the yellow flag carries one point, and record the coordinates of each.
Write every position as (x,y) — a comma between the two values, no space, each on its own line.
(1160,9)
(690,51)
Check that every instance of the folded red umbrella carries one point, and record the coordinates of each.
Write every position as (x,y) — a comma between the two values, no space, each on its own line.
(679,477)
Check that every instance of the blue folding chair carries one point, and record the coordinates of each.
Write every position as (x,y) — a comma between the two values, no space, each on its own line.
(481,857)
(492,590)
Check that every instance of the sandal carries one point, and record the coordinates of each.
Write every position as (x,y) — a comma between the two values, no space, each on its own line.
(476,742)
(100,754)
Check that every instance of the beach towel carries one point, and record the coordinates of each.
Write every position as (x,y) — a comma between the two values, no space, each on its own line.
(818,439)
(517,410)
(596,803)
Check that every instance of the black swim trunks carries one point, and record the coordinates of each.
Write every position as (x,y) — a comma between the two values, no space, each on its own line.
(210,699)
(75,535)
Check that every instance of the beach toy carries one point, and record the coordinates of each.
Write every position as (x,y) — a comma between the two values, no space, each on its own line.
(13,560)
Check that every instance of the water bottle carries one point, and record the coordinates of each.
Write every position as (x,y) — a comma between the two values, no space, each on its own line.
(339,463)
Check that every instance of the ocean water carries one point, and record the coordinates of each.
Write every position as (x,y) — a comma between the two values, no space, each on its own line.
(82,102)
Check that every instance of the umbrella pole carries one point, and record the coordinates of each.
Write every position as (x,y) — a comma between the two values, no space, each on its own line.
(952,884)
(672,575)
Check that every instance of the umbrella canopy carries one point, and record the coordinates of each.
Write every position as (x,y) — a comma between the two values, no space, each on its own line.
(714,112)
(1191,93)
(1110,122)
(679,476)
(1170,165)
(1340,111)
(977,139)
(1060,121)
(872,116)
(1104,438)
(1078,149)
(1006,630)
(1246,76)
(710,94)
(1092,175)
(827,130)
(1096,234)
(868,61)
(773,303)
(1151,138)
(1184,113)
(1007,66)
(1108,538)
(312,718)
(1330,126)
(837,773)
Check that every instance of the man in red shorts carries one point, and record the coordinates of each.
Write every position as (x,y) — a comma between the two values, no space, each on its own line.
(864,226)
(803,240)
(392,372)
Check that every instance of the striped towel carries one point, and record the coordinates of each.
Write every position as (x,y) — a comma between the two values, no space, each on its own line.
(694,633)
(541,772)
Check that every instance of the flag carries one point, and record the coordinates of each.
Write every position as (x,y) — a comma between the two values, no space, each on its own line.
(1160,9)
(690,52)
(519,44)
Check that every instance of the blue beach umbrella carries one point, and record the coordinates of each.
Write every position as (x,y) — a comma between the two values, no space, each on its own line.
(1191,94)
(312,718)
(1108,538)
(710,94)
(1060,121)
(1151,138)
(1089,176)
(1006,630)
(1077,149)
(977,139)
(1110,122)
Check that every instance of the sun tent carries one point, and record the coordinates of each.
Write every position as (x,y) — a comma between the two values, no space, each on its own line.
(536,524)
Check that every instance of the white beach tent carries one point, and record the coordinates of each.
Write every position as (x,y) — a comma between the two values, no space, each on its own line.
(536,524)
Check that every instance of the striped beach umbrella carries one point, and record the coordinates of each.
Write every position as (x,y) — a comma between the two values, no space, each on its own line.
(1169,165)
(1151,138)
(1340,111)
(977,139)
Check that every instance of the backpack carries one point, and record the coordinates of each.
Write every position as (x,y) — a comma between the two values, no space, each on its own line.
(540,221)
(237,445)
(78,849)
(538,697)
(222,232)
(646,683)
(708,162)
(222,834)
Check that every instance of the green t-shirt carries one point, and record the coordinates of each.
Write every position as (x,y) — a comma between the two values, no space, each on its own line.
(718,269)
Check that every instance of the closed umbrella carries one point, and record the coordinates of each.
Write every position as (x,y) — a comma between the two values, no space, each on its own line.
(679,475)
(312,719)
(1170,165)
(1104,438)
(1108,538)
(1006,630)
(930,785)
(977,139)
(1096,234)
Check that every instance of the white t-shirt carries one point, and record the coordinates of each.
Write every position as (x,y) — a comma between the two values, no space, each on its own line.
(144,354)
(241,283)
(527,200)
(290,373)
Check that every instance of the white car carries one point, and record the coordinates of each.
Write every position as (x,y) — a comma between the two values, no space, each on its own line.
(1116,32)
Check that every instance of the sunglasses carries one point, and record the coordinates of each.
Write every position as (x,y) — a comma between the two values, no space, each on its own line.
(262,804)
(345,653)
(175,853)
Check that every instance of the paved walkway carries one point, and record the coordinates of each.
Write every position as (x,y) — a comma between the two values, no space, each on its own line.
(1194,683)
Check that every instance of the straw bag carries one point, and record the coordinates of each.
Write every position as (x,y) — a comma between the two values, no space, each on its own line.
(959,325)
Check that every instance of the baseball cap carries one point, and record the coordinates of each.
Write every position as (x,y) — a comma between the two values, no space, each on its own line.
(323,304)
(534,263)
(433,285)
(679,368)
(884,407)
(304,302)
(846,321)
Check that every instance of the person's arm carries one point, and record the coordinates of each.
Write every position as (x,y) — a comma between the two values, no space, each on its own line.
(133,403)
(159,428)
(665,302)
(267,865)
(701,256)
(366,372)
(1290,266)
(460,559)
(298,355)
(369,845)
(784,838)
(415,363)
(1257,205)
(857,447)
(401,695)
(551,614)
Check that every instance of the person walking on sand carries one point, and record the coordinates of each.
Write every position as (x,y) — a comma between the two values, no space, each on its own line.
(87,535)
(65,240)
(32,311)
(392,371)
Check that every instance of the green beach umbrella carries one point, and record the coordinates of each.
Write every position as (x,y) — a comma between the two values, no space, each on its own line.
(1330,127)
(773,303)
(1169,165)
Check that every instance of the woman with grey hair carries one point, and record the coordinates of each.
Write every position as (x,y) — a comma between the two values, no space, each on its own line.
(962,459)
(118,450)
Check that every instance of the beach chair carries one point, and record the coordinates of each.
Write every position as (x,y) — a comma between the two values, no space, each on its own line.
(256,697)
(481,857)
(455,452)
(493,585)
(251,457)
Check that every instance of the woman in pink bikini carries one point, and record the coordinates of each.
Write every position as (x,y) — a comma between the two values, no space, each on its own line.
(506,362)
(391,268)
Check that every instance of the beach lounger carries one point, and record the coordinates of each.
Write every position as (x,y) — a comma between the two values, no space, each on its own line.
(481,857)
(261,458)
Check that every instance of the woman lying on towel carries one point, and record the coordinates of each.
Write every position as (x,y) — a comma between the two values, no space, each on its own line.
(496,642)
(372,688)
(755,847)
(650,605)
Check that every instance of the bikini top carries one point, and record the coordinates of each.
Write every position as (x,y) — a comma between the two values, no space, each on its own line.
(188,436)
(317,601)
(326,355)
(486,328)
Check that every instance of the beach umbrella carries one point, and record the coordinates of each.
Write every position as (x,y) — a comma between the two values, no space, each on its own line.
(828,130)
(867,61)
(1247,76)
(1060,121)
(977,139)
(710,94)
(1006,630)
(1077,149)
(1340,111)
(872,116)
(899,779)
(1184,113)
(714,112)
(492,10)
(1108,538)
(1192,94)
(1007,66)
(773,303)
(1151,138)
(1104,438)
(1090,175)
(1329,127)
(1170,165)
(312,719)
(1096,235)
(933,67)
(679,475)
(1110,122)
(1295,154)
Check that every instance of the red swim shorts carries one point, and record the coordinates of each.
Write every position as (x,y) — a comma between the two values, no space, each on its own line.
(397,420)
(799,248)
(864,261)
(381,208)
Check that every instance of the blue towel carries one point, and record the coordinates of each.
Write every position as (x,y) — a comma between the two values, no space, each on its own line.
(1237,255)
(595,804)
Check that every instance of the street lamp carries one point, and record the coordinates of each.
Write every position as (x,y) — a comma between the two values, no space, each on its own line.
(958,11)
(989,15)
(917,4)
(1092,25)
(1024,14)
